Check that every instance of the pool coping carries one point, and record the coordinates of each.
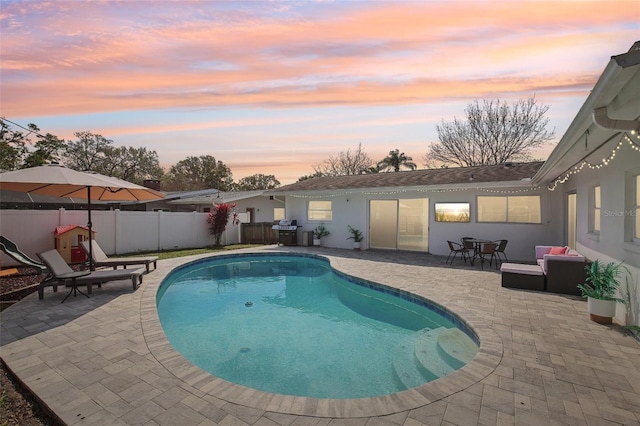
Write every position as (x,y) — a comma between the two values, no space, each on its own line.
(484,363)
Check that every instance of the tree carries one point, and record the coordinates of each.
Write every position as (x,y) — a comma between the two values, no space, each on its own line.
(131,164)
(87,153)
(395,160)
(48,149)
(13,146)
(194,173)
(219,218)
(256,182)
(494,132)
(346,163)
(93,152)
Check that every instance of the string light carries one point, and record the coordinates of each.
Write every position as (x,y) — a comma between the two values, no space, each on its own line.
(402,191)
(605,161)
(632,138)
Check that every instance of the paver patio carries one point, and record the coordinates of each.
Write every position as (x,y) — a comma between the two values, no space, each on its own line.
(105,360)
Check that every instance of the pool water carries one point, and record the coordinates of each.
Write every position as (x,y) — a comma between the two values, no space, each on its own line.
(291,325)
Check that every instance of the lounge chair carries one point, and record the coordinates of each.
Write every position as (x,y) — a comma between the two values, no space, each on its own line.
(60,273)
(12,250)
(101,259)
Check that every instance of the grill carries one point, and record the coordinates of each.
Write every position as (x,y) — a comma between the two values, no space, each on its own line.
(287,232)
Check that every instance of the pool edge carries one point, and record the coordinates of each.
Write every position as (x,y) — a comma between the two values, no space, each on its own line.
(486,360)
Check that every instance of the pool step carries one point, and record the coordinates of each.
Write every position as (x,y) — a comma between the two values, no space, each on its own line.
(456,347)
(408,371)
(428,355)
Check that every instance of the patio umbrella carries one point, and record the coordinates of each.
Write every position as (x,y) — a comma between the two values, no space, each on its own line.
(59,181)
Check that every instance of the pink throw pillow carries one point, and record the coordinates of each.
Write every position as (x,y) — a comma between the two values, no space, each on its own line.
(558,250)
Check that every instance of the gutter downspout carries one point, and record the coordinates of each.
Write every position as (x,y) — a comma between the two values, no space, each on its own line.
(601,118)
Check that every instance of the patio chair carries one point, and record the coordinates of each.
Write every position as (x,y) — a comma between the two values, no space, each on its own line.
(12,250)
(60,273)
(101,259)
(469,245)
(455,249)
(502,244)
(488,250)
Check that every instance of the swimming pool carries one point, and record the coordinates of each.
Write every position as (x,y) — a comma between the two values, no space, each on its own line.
(290,324)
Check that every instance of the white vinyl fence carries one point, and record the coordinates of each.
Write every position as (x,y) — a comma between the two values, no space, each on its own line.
(117,231)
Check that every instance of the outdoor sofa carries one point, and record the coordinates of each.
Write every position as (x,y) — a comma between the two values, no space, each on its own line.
(557,270)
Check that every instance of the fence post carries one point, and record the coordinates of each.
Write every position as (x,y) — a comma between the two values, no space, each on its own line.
(61,216)
(116,229)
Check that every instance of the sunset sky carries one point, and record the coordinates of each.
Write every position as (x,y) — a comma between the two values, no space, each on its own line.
(274,87)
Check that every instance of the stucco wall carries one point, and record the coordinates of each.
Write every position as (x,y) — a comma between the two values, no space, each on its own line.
(614,242)
(353,209)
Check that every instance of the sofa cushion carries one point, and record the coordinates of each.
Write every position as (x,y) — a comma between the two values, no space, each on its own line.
(560,257)
(522,269)
(541,251)
(558,250)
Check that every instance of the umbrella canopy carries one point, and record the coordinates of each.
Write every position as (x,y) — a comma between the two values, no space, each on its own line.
(59,181)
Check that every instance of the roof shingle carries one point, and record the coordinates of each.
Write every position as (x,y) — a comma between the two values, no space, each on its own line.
(429,177)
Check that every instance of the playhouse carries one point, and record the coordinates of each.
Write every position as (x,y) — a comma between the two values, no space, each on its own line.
(68,239)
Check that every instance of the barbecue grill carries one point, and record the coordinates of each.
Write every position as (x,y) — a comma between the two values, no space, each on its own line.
(287,231)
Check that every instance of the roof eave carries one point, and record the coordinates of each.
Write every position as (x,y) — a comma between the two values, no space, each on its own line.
(617,74)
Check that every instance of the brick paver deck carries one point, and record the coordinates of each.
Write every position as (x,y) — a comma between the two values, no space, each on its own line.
(105,360)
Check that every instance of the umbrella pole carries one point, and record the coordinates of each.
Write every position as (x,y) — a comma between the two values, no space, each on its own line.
(89,225)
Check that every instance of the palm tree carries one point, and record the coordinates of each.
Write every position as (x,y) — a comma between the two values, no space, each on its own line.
(395,160)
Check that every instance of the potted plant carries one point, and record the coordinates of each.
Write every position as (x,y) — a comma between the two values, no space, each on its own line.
(600,289)
(318,233)
(356,236)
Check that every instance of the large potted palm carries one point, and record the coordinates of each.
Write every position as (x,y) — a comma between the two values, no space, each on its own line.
(600,289)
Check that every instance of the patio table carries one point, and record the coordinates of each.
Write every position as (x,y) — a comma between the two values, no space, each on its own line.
(477,246)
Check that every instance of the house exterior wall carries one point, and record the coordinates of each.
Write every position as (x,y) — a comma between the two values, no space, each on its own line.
(614,242)
(263,207)
(353,209)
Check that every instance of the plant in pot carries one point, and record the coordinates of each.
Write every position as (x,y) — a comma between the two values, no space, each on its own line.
(600,288)
(318,233)
(356,236)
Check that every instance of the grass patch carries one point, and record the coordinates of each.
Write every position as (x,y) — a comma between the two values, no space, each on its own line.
(171,254)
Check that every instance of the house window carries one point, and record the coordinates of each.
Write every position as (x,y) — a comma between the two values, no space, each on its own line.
(452,212)
(515,209)
(596,209)
(636,210)
(278,214)
(319,210)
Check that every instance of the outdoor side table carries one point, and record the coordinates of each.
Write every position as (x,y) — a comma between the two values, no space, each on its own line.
(74,285)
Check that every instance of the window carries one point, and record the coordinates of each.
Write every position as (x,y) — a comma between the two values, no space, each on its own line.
(596,209)
(452,212)
(278,214)
(516,209)
(636,210)
(319,210)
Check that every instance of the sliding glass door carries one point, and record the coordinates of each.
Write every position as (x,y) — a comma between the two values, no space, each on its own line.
(399,224)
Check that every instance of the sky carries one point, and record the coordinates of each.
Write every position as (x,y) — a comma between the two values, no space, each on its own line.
(274,87)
